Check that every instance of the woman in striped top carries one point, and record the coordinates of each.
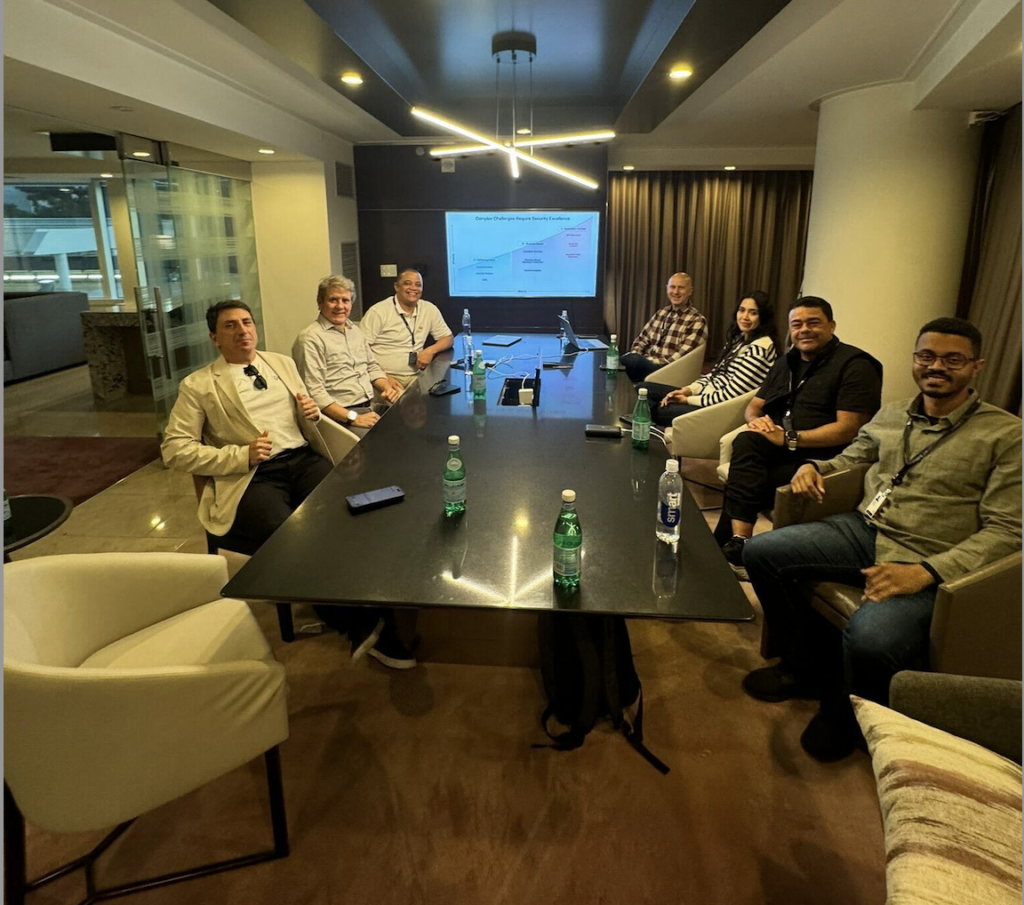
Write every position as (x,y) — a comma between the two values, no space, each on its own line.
(742,365)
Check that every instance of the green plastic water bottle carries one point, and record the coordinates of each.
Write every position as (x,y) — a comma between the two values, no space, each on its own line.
(454,479)
(479,376)
(641,420)
(568,544)
(611,357)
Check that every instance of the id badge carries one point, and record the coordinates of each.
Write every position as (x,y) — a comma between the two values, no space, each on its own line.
(875,506)
(412,359)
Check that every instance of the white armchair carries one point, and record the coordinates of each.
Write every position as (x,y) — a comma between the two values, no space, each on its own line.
(681,372)
(699,434)
(339,439)
(129,682)
(725,451)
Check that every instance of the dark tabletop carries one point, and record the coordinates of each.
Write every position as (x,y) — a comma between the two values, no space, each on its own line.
(33,516)
(498,554)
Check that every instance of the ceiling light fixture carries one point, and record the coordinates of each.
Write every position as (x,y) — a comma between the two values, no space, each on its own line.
(141,154)
(511,44)
(680,72)
(729,168)
(352,78)
(265,151)
(628,167)
(106,175)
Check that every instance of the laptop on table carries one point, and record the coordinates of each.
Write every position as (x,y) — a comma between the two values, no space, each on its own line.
(574,343)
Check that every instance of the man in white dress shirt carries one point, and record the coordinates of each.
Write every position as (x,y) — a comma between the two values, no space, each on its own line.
(336,363)
(397,329)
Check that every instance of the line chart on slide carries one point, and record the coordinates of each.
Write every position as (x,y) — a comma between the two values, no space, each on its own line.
(522,254)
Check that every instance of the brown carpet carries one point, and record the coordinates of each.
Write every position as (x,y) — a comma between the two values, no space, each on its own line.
(422,787)
(75,467)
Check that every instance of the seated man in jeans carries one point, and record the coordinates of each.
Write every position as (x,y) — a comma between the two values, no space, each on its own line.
(942,497)
(813,401)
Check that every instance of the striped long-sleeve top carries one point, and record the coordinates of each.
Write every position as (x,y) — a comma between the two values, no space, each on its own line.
(740,369)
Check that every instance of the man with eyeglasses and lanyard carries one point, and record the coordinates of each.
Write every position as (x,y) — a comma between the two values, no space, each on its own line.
(942,497)
(246,422)
(397,329)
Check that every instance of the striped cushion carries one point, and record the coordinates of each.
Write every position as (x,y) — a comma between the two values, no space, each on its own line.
(952,813)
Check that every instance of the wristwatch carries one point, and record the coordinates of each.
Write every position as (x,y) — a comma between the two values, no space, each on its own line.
(792,437)
(352,415)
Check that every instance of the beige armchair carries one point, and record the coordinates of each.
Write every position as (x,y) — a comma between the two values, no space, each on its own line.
(976,624)
(681,372)
(699,434)
(129,682)
(725,450)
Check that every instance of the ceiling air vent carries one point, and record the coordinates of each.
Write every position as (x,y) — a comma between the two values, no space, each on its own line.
(350,266)
(344,177)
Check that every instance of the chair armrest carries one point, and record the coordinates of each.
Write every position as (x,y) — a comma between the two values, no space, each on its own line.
(100,597)
(340,440)
(976,624)
(698,434)
(119,742)
(982,710)
(681,372)
(843,491)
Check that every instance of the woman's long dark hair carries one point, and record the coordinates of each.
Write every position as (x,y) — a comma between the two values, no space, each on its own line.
(734,338)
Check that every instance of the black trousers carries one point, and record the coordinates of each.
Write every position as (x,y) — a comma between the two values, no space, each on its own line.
(664,415)
(756,469)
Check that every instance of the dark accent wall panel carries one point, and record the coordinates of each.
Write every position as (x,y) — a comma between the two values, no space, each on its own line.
(402,197)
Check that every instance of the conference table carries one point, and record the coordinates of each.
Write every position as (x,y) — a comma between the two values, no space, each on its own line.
(498,554)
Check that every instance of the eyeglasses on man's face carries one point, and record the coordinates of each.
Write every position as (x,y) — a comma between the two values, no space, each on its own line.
(954,360)
(258,380)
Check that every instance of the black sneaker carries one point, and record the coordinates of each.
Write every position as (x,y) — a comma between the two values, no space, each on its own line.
(733,553)
(831,735)
(777,683)
(391,652)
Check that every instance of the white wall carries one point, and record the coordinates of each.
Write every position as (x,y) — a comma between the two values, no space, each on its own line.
(889,216)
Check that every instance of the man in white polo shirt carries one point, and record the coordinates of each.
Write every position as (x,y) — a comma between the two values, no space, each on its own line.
(397,329)
(336,363)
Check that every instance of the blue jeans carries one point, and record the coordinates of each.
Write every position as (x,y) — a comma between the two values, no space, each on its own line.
(879,640)
(637,367)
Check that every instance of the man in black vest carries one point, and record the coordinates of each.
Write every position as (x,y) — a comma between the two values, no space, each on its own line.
(813,401)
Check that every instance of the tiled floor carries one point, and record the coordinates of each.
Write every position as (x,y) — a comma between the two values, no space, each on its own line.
(62,405)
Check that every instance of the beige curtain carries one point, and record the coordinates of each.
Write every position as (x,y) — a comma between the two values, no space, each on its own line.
(732,232)
(991,294)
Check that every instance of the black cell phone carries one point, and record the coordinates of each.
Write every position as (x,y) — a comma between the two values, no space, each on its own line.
(612,431)
(443,388)
(374,499)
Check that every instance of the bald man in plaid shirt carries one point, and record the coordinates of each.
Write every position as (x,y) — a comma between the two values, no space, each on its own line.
(674,330)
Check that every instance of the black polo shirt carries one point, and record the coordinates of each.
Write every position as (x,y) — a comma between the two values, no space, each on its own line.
(842,378)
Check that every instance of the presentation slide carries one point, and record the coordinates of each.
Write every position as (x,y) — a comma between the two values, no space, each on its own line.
(522,254)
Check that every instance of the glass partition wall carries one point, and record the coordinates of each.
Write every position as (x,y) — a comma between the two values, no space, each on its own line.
(195,244)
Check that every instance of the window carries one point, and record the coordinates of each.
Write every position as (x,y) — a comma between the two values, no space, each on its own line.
(50,239)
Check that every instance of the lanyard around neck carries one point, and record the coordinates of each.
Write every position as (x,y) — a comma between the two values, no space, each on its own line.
(405,320)
(910,461)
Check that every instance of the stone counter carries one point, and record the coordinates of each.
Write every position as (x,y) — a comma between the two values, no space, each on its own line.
(113,350)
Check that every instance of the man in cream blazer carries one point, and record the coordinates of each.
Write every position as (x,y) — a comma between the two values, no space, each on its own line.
(246,422)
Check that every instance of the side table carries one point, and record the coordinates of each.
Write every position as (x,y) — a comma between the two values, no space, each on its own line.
(33,516)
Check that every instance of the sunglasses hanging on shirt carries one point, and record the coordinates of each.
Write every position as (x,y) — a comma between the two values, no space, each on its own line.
(258,380)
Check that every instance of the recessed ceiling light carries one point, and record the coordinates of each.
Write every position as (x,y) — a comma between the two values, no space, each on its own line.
(122,108)
(141,154)
(628,166)
(680,72)
(352,78)
(524,131)
(106,175)
(265,150)
(729,168)
(65,189)
(42,132)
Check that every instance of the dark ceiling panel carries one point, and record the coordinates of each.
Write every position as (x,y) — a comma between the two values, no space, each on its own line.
(712,33)
(597,61)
